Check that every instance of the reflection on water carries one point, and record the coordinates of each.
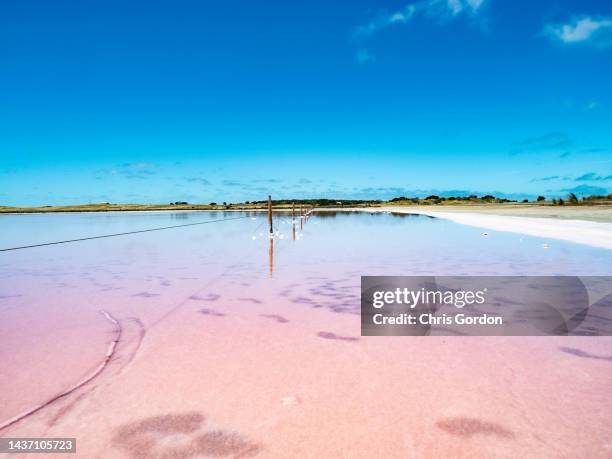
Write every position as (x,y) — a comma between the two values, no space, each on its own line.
(271,255)
(383,243)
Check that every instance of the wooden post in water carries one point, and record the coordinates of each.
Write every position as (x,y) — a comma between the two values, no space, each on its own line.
(271,249)
(293,220)
(301,218)
(270,215)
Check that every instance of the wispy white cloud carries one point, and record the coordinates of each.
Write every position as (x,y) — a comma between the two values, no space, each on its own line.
(549,142)
(383,20)
(584,29)
(475,4)
(431,8)
(593,177)
(455,6)
(138,170)
(592,105)
(363,56)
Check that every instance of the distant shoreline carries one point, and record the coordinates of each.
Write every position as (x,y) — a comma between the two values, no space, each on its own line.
(148,208)
(472,202)
(583,224)
(119,208)
(597,212)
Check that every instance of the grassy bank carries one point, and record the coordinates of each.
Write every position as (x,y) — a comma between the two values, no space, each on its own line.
(126,208)
(108,207)
(596,208)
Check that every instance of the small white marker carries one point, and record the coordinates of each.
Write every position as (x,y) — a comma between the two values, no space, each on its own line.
(290,400)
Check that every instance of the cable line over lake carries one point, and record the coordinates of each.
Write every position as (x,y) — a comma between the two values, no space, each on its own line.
(120,234)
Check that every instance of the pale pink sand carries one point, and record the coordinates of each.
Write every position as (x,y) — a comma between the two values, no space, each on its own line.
(291,393)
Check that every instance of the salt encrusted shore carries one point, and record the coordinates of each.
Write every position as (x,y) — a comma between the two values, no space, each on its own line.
(593,233)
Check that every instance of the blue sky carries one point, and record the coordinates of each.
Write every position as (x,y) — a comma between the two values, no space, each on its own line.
(230,100)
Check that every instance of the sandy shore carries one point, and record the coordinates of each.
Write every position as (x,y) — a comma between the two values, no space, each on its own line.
(598,213)
(583,225)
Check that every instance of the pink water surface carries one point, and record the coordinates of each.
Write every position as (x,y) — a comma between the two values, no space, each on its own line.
(228,349)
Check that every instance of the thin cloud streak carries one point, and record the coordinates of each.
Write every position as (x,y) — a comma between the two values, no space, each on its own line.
(437,9)
(597,31)
(593,177)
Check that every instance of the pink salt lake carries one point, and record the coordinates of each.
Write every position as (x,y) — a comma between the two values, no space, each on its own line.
(184,342)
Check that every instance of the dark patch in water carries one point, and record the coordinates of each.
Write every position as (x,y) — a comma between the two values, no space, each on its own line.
(586,355)
(330,335)
(251,300)
(337,295)
(210,297)
(468,427)
(180,436)
(279,319)
(302,300)
(6,297)
(211,312)
(146,294)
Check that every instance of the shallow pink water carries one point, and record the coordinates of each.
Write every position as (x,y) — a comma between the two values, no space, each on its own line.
(218,357)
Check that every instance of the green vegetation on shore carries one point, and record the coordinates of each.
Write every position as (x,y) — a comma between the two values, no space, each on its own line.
(571,200)
(248,205)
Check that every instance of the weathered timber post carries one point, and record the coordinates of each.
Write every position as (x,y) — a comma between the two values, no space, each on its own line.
(270,215)
(293,220)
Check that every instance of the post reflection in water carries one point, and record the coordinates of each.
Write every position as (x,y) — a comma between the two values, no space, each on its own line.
(303,217)
(271,255)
